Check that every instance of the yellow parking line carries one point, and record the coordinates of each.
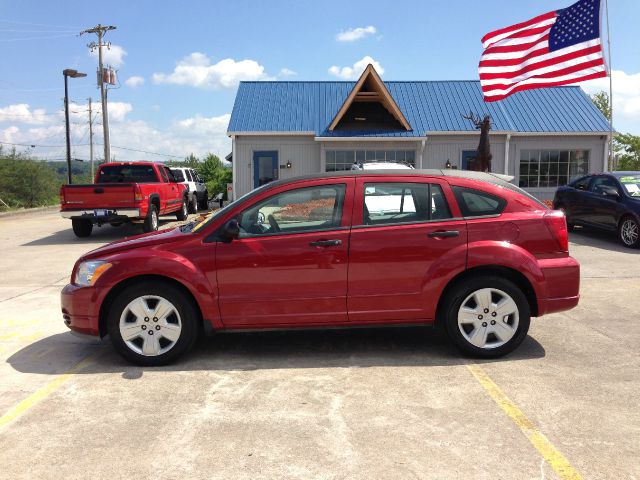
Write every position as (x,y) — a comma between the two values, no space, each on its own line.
(553,457)
(43,392)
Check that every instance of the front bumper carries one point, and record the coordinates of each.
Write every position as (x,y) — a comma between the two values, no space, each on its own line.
(80,309)
(101,214)
(562,278)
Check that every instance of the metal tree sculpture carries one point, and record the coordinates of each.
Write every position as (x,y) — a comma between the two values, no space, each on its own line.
(482,162)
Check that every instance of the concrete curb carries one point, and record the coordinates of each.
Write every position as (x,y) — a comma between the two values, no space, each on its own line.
(27,211)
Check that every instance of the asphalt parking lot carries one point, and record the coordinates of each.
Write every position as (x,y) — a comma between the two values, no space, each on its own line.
(361,404)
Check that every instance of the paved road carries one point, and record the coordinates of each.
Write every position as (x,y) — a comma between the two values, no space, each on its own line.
(363,404)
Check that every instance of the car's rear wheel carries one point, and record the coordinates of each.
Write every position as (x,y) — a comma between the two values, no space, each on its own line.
(183,213)
(204,201)
(82,228)
(629,232)
(151,221)
(193,204)
(487,316)
(152,323)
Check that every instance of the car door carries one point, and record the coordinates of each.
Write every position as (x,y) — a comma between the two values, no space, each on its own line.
(402,227)
(576,199)
(173,192)
(603,208)
(289,266)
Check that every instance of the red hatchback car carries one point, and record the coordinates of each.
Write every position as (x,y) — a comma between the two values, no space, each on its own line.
(465,250)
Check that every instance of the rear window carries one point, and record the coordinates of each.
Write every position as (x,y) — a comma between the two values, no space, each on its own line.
(475,203)
(127,174)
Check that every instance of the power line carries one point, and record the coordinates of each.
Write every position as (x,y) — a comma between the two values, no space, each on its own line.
(16,22)
(36,38)
(33,145)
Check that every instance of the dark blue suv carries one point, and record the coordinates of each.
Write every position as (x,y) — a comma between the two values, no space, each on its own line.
(608,201)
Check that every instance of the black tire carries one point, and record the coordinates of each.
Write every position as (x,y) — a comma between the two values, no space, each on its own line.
(189,319)
(183,213)
(204,201)
(151,221)
(461,291)
(626,229)
(193,204)
(82,228)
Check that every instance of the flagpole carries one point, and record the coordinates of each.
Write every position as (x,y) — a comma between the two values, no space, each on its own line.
(611,154)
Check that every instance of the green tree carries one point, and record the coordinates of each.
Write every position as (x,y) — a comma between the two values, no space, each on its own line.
(628,151)
(25,182)
(215,174)
(625,145)
(601,100)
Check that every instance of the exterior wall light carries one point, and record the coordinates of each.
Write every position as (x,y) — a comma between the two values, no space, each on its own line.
(447,165)
(289,164)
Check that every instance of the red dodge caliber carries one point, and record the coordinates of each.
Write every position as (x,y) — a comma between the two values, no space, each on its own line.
(465,250)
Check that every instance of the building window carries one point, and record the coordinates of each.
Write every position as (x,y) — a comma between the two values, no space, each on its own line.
(551,168)
(338,160)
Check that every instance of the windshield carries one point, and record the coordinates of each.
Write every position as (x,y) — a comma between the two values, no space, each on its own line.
(127,174)
(631,184)
(203,221)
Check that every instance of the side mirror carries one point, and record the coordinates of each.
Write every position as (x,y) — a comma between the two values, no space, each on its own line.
(230,231)
(610,191)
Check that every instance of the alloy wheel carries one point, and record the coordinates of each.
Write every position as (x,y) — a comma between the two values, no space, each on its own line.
(150,325)
(488,318)
(629,232)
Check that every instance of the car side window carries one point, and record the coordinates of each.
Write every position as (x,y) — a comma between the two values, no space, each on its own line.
(295,211)
(163,174)
(169,175)
(189,176)
(582,184)
(599,183)
(394,203)
(476,203)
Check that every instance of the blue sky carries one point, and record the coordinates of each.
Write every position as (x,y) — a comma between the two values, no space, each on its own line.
(179,62)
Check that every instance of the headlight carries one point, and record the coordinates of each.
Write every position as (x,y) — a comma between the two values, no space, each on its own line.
(88,272)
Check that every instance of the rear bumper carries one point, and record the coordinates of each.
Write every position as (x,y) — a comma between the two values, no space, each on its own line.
(80,309)
(102,215)
(562,279)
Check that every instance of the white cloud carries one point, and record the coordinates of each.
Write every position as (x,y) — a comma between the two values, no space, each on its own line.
(626,99)
(196,70)
(134,81)
(196,134)
(287,72)
(22,112)
(353,34)
(114,55)
(353,72)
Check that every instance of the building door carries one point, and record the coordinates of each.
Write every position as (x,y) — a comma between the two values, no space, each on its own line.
(265,167)
(468,156)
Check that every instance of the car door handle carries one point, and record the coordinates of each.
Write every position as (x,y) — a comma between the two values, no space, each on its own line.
(326,243)
(444,234)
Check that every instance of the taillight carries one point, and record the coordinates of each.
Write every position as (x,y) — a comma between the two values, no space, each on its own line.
(557,225)
(61,196)
(137,196)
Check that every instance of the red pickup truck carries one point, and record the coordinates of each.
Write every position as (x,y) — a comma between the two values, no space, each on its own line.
(136,192)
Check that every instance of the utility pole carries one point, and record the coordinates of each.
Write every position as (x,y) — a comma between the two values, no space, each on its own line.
(91,139)
(100,30)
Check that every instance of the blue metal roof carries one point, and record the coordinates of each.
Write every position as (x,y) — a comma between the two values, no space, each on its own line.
(430,106)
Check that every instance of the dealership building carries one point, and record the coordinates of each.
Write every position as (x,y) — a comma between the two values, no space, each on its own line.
(543,138)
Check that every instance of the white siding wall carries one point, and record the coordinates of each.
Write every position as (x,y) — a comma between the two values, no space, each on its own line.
(302,152)
(439,149)
(307,155)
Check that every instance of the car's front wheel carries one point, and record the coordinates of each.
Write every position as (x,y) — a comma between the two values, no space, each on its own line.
(152,324)
(629,232)
(487,316)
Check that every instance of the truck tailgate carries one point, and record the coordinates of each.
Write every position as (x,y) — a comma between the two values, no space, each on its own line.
(100,195)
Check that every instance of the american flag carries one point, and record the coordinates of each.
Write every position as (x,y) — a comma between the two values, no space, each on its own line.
(556,48)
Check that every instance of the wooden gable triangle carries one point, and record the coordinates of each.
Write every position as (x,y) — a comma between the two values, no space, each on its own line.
(370,88)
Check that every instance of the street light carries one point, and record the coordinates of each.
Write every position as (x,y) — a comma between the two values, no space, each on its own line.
(69,72)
